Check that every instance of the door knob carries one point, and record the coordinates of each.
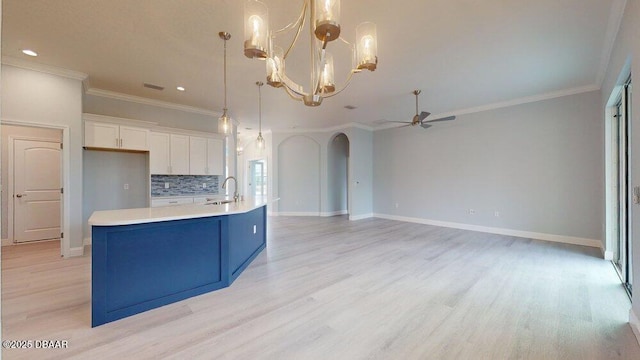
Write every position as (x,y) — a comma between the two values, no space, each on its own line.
(20,195)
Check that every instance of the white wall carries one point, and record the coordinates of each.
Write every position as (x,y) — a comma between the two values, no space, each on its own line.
(7,131)
(538,164)
(624,58)
(36,97)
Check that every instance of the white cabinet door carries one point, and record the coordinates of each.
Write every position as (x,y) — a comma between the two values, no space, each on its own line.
(159,153)
(101,135)
(179,150)
(134,138)
(215,157)
(197,155)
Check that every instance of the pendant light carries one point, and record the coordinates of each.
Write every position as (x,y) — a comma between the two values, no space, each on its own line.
(224,123)
(260,139)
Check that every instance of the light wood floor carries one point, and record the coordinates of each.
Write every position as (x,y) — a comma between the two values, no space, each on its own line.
(327,288)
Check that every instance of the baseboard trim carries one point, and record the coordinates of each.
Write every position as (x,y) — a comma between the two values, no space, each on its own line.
(76,251)
(635,325)
(87,241)
(294,213)
(360,217)
(334,213)
(500,231)
(6,242)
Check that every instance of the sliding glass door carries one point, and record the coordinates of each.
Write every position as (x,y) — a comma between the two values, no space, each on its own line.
(622,153)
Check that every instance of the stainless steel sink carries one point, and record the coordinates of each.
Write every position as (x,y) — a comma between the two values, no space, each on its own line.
(219,202)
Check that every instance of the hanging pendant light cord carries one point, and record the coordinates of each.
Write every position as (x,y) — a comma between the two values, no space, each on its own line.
(259,108)
(225,76)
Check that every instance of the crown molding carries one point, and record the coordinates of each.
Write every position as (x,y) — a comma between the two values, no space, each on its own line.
(613,27)
(146,101)
(47,69)
(508,103)
(116,120)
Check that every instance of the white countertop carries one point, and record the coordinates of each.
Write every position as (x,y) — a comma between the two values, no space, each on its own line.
(178,212)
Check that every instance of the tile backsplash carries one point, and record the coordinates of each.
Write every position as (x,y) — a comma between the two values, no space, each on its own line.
(184,185)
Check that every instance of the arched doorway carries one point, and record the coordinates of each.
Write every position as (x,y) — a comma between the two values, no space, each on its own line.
(338,175)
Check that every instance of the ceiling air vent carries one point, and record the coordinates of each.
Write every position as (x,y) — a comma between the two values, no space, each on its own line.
(154,87)
(350,107)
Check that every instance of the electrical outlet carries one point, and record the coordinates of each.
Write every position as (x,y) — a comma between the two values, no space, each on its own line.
(496,213)
(397,205)
(166,185)
(126,186)
(472,212)
(204,185)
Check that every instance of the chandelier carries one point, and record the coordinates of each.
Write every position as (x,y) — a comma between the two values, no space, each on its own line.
(324,20)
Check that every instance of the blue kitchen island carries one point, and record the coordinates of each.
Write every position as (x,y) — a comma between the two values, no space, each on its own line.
(150,257)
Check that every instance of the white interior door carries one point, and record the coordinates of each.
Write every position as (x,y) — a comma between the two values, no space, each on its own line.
(36,196)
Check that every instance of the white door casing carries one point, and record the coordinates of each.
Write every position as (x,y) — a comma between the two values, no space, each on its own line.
(36,185)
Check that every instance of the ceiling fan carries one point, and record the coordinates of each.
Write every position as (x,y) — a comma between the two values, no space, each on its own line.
(419,119)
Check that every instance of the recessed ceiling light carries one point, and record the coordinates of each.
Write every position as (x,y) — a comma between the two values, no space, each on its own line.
(180,88)
(29,52)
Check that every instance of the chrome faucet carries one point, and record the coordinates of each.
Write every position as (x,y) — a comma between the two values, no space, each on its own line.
(236,197)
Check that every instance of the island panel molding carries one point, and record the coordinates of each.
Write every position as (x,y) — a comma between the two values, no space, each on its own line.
(142,265)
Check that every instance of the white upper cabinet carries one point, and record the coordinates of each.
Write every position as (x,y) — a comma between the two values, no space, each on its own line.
(134,138)
(169,154)
(179,151)
(114,136)
(206,156)
(159,153)
(197,155)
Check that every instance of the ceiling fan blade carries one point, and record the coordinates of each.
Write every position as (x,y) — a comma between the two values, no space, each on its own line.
(399,122)
(424,114)
(425,126)
(441,119)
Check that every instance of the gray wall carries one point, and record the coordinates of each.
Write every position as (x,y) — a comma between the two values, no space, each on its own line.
(31,132)
(299,175)
(624,58)
(361,164)
(538,164)
(163,116)
(105,173)
(337,172)
(360,169)
(36,97)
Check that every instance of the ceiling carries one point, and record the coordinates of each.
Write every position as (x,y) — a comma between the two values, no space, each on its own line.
(463,54)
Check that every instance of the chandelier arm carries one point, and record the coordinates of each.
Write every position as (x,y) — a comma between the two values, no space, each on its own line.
(321,67)
(292,94)
(298,31)
(300,23)
(293,86)
(312,50)
(344,85)
(300,18)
